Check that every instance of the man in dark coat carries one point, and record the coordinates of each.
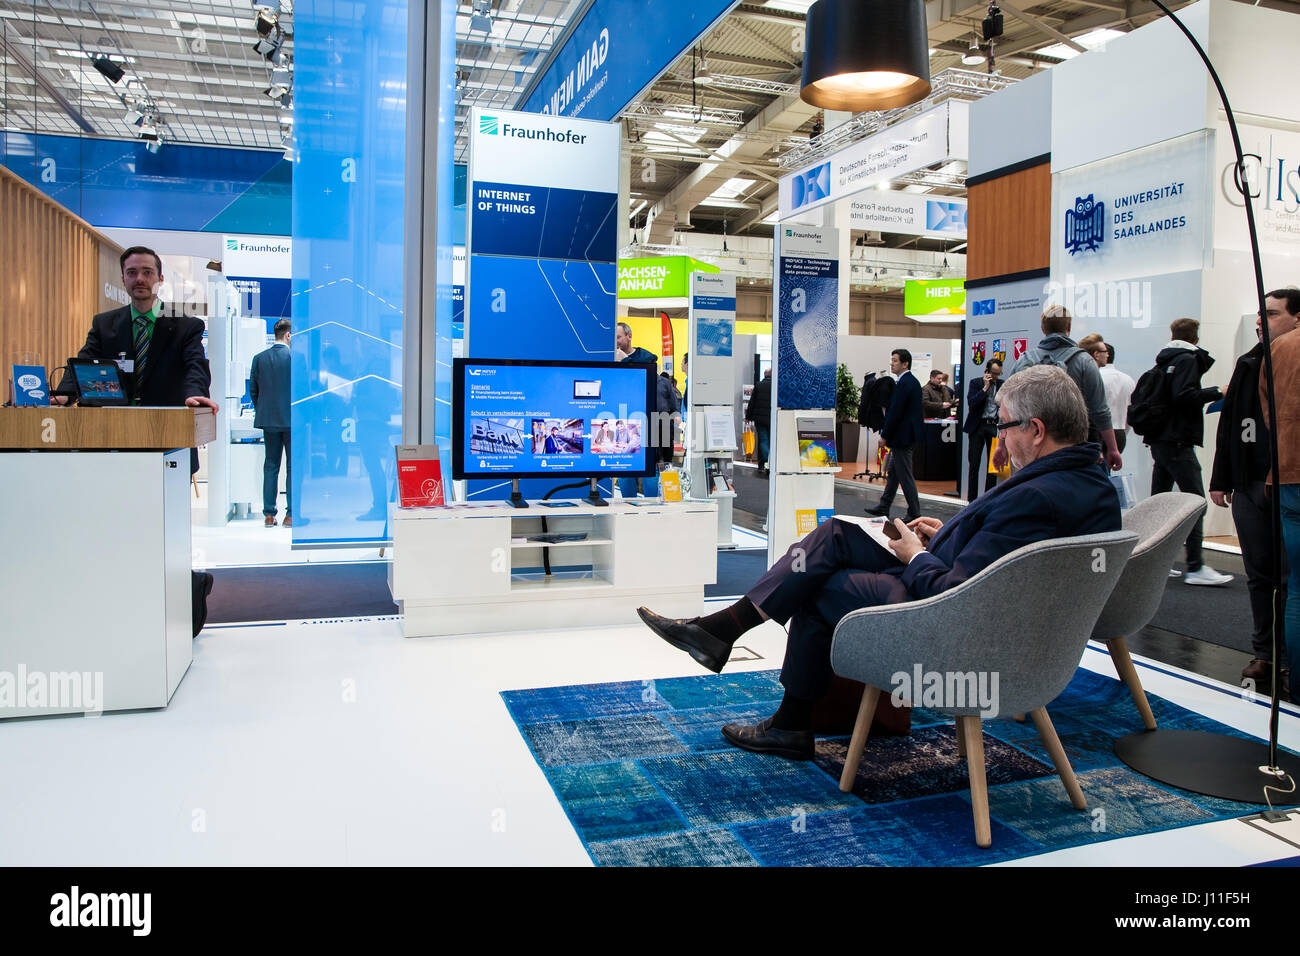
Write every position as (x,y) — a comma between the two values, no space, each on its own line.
(162,358)
(1057,492)
(1173,448)
(981,425)
(1238,478)
(269,386)
(904,427)
(759,411)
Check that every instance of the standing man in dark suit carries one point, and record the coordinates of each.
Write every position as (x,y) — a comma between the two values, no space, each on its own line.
(982,425)
(904,427)
(162,359)
(269,386)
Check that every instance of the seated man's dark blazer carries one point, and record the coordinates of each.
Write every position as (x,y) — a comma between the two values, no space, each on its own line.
(176,368)
(269,386)
(904,423)
(1058,496)
(976,398)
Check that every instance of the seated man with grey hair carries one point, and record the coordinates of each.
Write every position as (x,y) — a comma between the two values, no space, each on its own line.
(1059,491)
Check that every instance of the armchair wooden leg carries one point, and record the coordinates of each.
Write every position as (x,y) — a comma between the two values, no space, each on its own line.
(1059,759)
(971,729)
(961,741)
(1128,673)
(866,711)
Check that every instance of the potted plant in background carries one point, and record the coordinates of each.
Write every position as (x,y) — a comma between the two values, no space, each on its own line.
(847,397)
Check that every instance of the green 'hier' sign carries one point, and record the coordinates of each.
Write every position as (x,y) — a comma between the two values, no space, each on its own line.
(934,297)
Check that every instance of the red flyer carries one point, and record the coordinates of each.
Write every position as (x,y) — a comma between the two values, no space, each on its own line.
(419,476)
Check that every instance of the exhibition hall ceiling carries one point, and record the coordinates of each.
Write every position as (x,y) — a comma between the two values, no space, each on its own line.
(735,96)
(189,64)
(191,74)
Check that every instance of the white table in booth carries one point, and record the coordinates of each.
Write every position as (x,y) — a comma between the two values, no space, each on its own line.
(472,570)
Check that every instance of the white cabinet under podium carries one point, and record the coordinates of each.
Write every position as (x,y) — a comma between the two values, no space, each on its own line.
(473,570)
(95,592)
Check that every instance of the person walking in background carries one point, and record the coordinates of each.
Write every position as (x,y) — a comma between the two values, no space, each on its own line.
(1173,446)
(904,427)
(759,411)
(1239,478)
(1119,391)
(1286,397)
(269,385)
(982,425)
(1057,348)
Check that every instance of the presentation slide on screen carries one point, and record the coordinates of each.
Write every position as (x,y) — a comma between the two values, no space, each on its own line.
(543,419)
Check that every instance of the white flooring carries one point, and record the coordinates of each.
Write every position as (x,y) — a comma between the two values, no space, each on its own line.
(340,742)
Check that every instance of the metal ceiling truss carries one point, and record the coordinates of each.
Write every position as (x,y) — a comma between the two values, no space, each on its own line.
(950,84)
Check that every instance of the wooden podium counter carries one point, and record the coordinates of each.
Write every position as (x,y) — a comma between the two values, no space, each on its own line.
(95,584)
(105,429)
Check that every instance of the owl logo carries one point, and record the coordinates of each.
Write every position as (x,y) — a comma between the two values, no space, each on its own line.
(1085,225)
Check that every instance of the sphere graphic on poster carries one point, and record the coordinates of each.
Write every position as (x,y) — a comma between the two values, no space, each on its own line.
(815,340)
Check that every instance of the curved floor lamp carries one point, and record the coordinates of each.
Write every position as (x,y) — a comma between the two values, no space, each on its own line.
(1215,764)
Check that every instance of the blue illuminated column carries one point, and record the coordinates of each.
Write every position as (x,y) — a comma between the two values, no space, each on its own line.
(348,189)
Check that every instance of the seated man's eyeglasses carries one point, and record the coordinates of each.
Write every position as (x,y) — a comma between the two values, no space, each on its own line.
(1003,426)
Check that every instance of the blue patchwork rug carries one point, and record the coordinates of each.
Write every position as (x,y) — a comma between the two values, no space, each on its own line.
(646,778)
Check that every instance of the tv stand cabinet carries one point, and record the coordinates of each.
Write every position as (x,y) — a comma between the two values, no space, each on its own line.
(471,570)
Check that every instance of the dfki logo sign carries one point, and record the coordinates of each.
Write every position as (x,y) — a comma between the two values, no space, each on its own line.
(984,307)
(488,125)
(1085,225)
(810,186)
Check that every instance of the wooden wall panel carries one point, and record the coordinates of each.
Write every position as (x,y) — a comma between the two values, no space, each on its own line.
(50,285)
(1009,224)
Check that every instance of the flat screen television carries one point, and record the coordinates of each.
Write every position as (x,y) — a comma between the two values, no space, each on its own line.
(516,418)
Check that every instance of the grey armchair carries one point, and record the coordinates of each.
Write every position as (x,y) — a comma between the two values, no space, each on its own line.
(1025,619)
(1161,523)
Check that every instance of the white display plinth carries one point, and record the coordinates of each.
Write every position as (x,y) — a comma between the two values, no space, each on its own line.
(97,578)
(467,571)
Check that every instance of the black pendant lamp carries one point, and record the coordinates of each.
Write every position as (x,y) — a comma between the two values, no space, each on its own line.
(866,55)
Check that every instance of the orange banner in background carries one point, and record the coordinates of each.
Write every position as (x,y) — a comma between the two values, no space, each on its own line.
(666,352)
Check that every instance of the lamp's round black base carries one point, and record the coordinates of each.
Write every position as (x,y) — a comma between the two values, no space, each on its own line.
(1212,764)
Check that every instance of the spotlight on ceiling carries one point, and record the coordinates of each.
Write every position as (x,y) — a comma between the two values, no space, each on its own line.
(133,115)
(269,45)
(108,69)
(481,18)
(865,56)
(280,83)
(266,23)
(973,56)
(154,145)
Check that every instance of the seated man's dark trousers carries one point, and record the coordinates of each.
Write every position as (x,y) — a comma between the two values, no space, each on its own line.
(834,570)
